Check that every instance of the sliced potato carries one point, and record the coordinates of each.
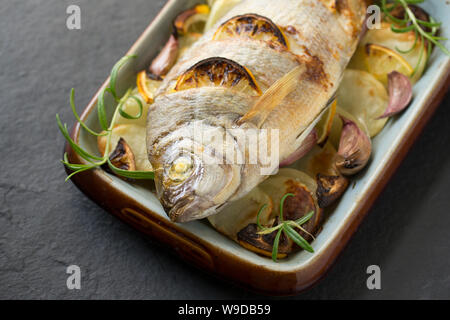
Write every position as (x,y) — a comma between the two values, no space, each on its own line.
(134,135)
(365,98)
(381,61)
(290,180)
(318,160)
(304,188)
(392,40)
(240,213)
(132,108)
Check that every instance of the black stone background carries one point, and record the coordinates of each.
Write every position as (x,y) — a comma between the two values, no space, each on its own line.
(47,224)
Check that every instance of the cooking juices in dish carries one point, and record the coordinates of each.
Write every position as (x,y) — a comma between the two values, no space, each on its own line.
(264,65)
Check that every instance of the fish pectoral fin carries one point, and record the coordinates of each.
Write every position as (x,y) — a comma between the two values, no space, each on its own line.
(273,97)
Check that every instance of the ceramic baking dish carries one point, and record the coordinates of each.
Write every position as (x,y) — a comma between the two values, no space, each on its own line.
(210,251)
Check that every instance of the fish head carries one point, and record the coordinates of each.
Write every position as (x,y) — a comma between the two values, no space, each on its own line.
(193,179)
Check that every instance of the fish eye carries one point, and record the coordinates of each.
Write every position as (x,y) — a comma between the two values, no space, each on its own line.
(180,169)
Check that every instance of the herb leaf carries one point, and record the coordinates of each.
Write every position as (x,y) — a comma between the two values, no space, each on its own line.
(298,239)
(412,23)
(276,242)
(93,160)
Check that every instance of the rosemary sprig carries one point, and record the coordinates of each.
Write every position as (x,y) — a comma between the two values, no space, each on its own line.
(94,161)
(411,23)
(286,226)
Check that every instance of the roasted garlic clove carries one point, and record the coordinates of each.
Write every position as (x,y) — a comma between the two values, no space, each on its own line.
(355,148)
(166,58)
(309,143)
(122,157)
(330,188)
(263,244)
(400,94)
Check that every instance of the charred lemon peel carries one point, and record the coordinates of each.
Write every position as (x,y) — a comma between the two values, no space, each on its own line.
(95,162)
(218,72)
(252,26)
(287,227)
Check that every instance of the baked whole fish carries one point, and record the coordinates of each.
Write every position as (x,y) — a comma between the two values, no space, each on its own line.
(269,67)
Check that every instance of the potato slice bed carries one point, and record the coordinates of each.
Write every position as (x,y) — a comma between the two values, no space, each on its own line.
(221,72)
(252,26)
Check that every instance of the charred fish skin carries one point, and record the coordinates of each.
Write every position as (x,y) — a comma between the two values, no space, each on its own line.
(321,37)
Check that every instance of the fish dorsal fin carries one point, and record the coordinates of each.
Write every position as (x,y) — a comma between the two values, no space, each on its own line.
(273,97)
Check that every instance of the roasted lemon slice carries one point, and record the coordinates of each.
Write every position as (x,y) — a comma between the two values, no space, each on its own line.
(192,20)
(323,127)
(147,85)
(380,61)
(252,26)
(218,71)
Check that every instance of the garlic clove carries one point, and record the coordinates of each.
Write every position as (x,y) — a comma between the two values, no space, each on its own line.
(400,94)
(166,58)
(355,148)
(306,146)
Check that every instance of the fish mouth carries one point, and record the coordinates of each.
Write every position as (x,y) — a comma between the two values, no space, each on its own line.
(185,210)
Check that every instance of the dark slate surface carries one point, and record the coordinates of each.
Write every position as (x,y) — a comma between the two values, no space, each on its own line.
(47,224)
